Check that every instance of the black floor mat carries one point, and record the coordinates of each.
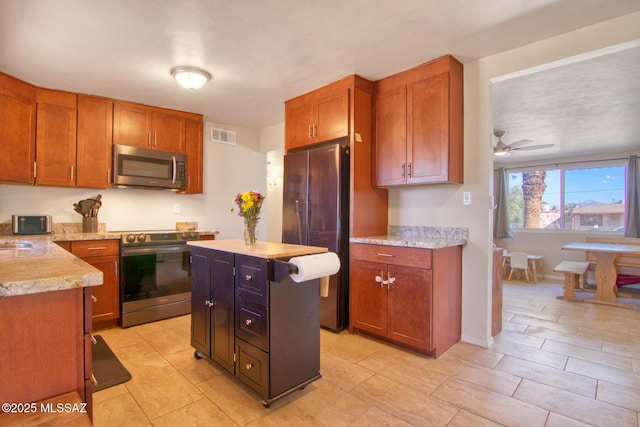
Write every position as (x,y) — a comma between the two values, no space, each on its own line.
(107,369)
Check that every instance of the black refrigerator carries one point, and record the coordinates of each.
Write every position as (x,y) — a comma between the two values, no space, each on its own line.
(316,213)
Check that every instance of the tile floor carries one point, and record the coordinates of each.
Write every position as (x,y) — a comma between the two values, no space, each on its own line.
(556,363)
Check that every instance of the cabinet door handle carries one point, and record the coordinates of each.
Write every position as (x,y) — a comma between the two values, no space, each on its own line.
(248,366)
(409,170)
(94,380)
(387,255)
(380,279)
(390,280)
(248,322)
(315,130)
(71,172)
(155,139)
(309,130)
(97,248)
(248,277)
(116,268)
(149,138)
(209,303)
(93,298)
(93,340)
(403,169)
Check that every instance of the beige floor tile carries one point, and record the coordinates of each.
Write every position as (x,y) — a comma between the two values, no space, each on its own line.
(573,406)
(490,379)
(195,370)
(493,406)
(121,410)
(557,420)
(531,354)
(110,392)
(587,354)
(553,377)
(622,349)
(159,391)
(466,419)
(330,404)
(342,373)
(286,416)
(403,402)
(240,403)
(543,323)
(353,349)
(473,354)
(117,337)
(519,338)
(168,341)
(199,413)
(610,374)
(515,327)
(618,395)
(375,417)
(526,310)
(567,338)
(636,365)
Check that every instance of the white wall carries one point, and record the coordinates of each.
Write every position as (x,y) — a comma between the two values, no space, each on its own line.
(227,171)
(272,143)
(442,204)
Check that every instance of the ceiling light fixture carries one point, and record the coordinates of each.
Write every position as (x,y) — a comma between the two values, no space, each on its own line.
(191,78)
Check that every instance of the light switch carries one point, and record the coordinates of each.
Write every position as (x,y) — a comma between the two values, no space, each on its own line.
(466,198)
(176,208)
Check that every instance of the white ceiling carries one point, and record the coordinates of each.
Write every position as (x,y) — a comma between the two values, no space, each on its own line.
(262,52)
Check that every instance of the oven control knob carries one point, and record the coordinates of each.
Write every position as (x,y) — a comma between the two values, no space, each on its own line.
(142,237)
(131,238)
(193,235)
(184,235)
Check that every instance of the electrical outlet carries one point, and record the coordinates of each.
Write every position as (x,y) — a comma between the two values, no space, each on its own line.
(466,198)
(176,208)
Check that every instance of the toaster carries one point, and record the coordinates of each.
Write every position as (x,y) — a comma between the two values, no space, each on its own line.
(31,224)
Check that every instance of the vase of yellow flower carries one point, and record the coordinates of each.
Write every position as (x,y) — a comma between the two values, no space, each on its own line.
(249,204)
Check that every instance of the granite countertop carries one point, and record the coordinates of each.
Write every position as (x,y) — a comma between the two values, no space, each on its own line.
(42,267)
(418,237)
(269,250)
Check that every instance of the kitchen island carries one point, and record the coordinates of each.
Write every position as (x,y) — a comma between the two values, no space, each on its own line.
(45,341)
(406,287)
(251,318)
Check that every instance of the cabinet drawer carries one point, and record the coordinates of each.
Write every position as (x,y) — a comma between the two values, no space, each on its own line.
(91,248)
(252,323)
(253,367)
(393,255)
(251,278)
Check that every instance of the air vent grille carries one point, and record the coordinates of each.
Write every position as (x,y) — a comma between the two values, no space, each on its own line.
(223,136)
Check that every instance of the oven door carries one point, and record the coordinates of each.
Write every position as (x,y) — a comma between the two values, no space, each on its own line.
(155,283)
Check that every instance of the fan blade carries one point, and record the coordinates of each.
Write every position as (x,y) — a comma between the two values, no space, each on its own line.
(519,143)
(534,147)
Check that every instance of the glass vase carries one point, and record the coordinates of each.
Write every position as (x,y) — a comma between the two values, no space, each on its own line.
(250,232)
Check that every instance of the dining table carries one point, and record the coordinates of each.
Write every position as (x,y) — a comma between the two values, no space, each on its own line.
(605,256)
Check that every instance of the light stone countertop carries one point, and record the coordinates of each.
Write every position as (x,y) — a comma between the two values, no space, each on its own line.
(418,237)
(269,250)
(44,267)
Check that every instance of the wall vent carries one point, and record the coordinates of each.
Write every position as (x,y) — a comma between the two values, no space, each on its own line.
(223,136)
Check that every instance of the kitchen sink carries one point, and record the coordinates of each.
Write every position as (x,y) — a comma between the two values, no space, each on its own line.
(15,245)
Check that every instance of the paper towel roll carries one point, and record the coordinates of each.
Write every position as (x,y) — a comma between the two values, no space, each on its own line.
(315,266)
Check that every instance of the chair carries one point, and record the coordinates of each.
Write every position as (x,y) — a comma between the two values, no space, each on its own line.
(519,261)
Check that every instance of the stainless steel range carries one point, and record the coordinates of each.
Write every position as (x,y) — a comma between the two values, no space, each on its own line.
(155,275)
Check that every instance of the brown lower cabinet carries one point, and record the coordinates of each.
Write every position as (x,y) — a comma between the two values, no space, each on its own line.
(103,255)
(46,346)
(408,296)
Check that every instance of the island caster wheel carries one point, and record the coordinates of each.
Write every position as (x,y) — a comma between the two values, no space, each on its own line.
(197,355)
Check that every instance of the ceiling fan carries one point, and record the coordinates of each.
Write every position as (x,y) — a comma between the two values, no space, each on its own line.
(502,150)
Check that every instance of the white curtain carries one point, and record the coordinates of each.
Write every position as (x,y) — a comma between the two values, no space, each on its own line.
(632,220)
(501,226)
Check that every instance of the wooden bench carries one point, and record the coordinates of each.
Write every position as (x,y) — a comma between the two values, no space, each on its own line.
(573,272)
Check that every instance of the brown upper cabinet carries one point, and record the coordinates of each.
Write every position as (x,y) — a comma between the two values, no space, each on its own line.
(318,116)
(194,149)
(95,132)
(148,127)
(56,138)
(17,130)
(419,125)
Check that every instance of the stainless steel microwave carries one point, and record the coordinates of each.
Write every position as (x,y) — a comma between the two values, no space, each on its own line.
(144,168)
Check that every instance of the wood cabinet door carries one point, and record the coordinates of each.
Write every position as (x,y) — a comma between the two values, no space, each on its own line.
(168,132)
(17,130)
(391,137)
(132,124)
(106,305)
(409,314)
(56,138)
(331,119)
(200,295)
(223,311)
(428,130)
(194,150)
(368,297)
(95,142)
(297,122)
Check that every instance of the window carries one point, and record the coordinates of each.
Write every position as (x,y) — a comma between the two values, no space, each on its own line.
(568,199)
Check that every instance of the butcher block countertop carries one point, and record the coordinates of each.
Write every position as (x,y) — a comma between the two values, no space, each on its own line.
(42,266)
(269,250)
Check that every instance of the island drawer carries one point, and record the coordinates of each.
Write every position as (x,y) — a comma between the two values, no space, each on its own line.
(251,278)
(253,367)
(252,323)
(394,255)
